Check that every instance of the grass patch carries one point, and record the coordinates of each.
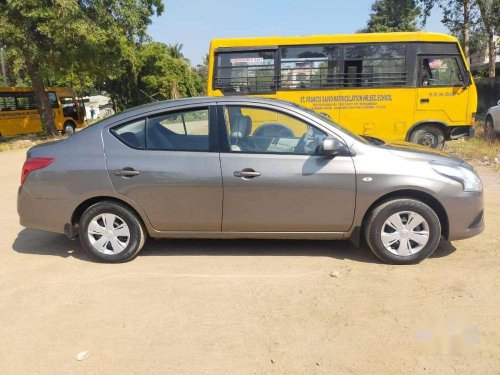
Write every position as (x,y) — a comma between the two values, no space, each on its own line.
(478,150)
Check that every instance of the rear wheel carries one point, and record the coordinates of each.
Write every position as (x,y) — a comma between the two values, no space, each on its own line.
(69,128)
(111,232)
(489,128)
(403,231)
(429,136)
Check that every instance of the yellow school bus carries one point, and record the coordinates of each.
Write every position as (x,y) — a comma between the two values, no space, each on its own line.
(19,114)
(412,86)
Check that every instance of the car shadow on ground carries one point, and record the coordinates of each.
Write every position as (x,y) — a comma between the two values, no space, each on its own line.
(30,241)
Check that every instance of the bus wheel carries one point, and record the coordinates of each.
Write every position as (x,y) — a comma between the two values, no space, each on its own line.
(428,136)
(69,128)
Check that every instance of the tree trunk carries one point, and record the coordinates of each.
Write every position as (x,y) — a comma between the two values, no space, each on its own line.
(41,99)
(466,30)
(491,54)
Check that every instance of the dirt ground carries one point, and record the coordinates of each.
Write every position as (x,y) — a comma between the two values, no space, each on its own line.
(245,307)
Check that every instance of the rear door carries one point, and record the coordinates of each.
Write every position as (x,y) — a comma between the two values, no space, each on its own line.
(166,165)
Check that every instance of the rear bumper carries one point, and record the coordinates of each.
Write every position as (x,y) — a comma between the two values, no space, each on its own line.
(44,214)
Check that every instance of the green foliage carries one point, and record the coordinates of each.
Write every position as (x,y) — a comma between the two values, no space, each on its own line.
(73,40)
(153,74)
(393,15)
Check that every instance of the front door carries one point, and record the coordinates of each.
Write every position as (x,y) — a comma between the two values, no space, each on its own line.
(275,180)
(441,94)
(164,164)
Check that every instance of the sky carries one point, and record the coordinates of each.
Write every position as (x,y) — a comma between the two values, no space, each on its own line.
(194,23)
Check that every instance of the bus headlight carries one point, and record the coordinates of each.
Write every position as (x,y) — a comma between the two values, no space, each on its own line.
(466,176)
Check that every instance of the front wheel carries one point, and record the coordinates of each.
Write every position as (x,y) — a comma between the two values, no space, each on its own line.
(429,136)
(111,233)
(69,128)
(403,231)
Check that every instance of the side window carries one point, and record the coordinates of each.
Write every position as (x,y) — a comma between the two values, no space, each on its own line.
(53,99)
(132,134)
(259,130)
(25,100)
(7,102)
(440,71)
(179,131)
(245,72)
(372,65)
(310,67)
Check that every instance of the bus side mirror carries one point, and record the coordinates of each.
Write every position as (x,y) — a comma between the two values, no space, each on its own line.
(467,80)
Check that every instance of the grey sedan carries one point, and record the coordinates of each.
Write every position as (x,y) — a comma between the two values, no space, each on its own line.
(245,168)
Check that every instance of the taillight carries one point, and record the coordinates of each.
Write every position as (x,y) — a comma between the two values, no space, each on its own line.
(33,164)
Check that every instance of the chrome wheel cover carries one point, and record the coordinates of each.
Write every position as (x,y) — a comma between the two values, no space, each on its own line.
(108,234)
(405,233)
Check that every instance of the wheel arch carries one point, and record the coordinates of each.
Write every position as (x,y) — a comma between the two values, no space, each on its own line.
(441,125)
(83,206)
(422,196)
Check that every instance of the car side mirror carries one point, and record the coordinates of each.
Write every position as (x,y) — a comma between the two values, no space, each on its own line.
(331,146)
(498,103)
(466,80)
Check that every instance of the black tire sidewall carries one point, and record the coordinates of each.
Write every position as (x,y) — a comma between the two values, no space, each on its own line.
(435,131)
(382,213)
(137,233)
(489,128)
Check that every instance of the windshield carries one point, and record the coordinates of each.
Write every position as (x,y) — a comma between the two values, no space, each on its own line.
(329,121)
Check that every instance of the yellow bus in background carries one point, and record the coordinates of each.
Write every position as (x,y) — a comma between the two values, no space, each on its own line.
(19,114)
(412,86)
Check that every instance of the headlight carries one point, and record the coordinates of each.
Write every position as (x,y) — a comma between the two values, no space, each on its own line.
(466,176)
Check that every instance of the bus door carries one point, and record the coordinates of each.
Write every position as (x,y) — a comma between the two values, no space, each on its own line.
(441,93)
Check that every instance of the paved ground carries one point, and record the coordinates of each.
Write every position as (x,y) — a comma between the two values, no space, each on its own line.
(237,307)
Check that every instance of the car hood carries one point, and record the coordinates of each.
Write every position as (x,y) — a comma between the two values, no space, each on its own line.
(415,151)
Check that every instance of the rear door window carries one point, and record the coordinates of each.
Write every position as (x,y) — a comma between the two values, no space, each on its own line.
(132,134)
(186,130)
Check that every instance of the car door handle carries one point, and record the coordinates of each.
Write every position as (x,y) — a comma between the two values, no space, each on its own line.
(126,172)
(246,173)
(425,100)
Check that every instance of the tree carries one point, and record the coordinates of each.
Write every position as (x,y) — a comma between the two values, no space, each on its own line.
(393,15)
(54,37)
(153,74)
(461,17)
(490,17)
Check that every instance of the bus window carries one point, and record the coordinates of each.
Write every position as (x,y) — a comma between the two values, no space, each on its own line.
(440,71)
(368,65)
(245,72)
(309,67)
(7,102)
(25,100)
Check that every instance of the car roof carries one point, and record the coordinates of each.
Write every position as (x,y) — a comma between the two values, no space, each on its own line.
(165,104)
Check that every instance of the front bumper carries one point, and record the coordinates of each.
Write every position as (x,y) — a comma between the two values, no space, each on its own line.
(465,213)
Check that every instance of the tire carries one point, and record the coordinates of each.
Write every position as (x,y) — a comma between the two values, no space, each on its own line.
(489,128)
(108,217)
(69,128)
(429,136)
(405,250)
